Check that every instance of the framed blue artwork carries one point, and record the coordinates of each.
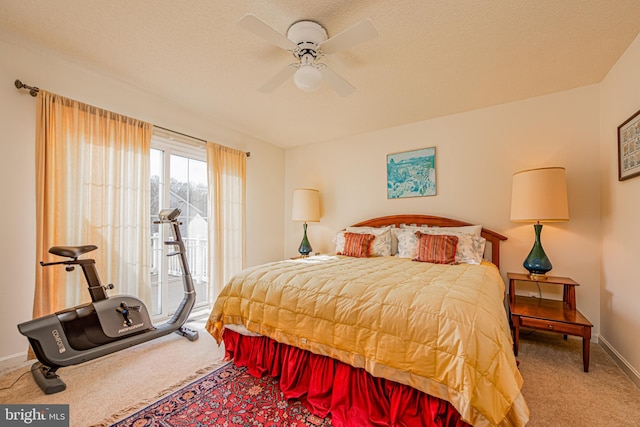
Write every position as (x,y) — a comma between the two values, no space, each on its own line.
(411,173)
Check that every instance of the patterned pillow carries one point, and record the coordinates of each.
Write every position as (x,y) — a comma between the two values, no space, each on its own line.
(470,249)
(470,246)
(407,243)
(436,248)
(357,245)
(381,245)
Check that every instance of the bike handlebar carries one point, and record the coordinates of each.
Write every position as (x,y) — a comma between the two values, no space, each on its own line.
(46,264)
(168,215)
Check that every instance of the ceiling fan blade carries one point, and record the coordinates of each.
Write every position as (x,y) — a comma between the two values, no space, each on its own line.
(258,27)
(275,81)
(336,82)
(354,35)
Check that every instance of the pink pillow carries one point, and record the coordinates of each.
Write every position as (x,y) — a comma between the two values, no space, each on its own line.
(357,245)
(436,248)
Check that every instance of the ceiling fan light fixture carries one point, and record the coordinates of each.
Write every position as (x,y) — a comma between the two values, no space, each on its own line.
(307,41)
(308,78)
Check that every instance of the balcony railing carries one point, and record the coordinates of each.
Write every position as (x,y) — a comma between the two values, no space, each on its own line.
(197,257)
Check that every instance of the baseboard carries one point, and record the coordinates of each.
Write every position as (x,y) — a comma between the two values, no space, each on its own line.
(11,362)
(631,372)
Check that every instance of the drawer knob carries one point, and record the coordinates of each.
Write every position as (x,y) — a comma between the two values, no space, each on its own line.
(550,327)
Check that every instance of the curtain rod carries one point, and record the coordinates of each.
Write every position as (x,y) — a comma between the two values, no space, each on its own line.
(33,91)
(248,153)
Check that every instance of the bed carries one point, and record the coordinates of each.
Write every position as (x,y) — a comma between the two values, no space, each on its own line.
(376,338)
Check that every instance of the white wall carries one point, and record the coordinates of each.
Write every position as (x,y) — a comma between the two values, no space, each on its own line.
(476,155)
(265,168)
(620,212)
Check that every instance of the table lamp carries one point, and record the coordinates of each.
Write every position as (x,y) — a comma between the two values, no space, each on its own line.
(305,208)
(539,195)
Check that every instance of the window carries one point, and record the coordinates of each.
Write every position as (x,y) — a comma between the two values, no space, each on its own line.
(178,180)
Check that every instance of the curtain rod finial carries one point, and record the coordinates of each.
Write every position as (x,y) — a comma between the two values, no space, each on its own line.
(33,91)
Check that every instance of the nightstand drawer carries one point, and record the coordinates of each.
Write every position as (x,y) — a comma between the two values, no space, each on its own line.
(563,328)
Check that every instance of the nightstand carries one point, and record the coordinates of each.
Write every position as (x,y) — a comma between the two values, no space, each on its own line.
(549,315)
(303,257)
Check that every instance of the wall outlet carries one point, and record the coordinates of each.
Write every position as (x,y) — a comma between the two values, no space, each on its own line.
(533,294)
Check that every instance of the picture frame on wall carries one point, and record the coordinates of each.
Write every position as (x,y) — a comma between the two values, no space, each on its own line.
(411,173)
(629,148)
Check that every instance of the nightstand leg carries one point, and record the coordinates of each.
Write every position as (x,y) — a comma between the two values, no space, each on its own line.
(586,346)
(516,333)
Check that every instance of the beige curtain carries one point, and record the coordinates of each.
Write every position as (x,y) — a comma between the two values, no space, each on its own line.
(226,175)
(92,188)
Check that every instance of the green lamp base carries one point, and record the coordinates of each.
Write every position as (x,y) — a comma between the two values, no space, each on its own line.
(305,247)
(537,263)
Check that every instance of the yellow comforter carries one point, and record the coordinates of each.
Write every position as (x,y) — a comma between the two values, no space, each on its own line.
(441,329)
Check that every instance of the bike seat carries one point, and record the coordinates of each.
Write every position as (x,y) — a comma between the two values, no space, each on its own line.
(71,251)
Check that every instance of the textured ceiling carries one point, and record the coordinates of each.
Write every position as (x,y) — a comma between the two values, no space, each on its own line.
(432,58)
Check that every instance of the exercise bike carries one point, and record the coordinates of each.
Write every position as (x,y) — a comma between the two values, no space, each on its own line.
(107,324)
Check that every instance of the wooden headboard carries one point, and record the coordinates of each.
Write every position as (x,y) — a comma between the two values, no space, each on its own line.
(437,221)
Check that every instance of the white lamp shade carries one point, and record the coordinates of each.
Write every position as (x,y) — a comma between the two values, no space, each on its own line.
(539,195)
(307,78)
(305,205)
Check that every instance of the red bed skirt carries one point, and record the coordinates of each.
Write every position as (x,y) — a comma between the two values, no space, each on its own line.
(326,386)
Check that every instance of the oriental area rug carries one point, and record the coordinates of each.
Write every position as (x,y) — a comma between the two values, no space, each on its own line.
(228,396)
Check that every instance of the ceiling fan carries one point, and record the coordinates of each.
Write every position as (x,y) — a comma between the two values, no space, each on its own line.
(308,42)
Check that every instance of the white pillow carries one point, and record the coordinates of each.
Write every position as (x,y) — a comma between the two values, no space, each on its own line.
(381,244)
(466,229)
(413,227)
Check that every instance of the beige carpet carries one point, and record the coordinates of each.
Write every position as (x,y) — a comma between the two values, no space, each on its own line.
(559,393)
(556,389)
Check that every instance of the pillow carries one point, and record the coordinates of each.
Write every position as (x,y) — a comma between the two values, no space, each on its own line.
(470,249)
(381,245)
(357,245)
(394,240)
(466,229)
(436,248)
(413,227)
(407,243)
(470,246)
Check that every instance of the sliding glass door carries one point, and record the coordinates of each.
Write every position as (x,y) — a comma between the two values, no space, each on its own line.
(178,180)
